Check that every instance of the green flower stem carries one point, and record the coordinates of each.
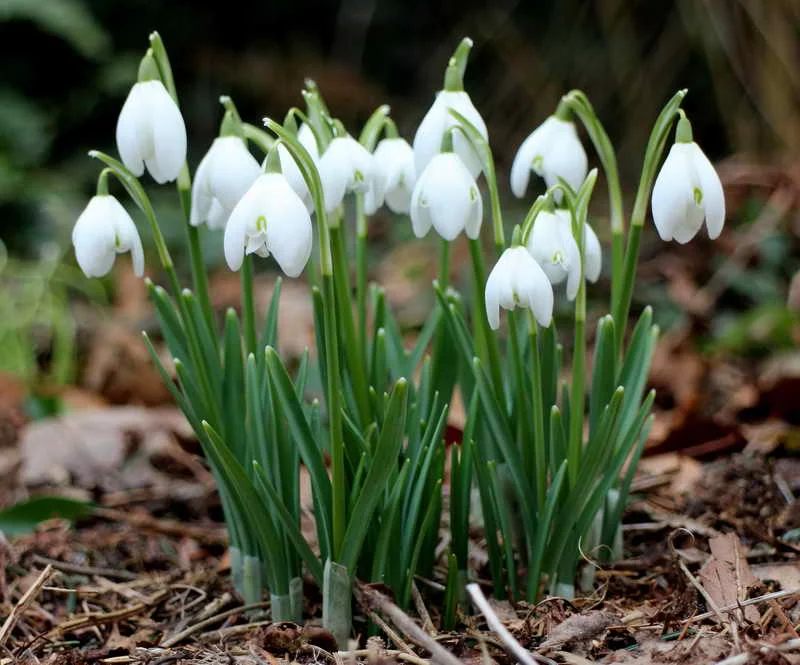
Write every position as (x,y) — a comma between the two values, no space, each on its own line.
(248,305)
(444,264)
(361,270)
(353,349)
(655,149)
(577,396)
(579,104)
(523,418)
(539,443)
(485,336)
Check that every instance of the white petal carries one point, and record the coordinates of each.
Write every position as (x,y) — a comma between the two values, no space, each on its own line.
(565,157)
(546,244)
(472,225)
(291,171)
(495,284)
(242,220)
(398,200)
(451,195)
(461,102)
(522,164)
(672,193)
(335,172)
(428,139)
(133,137)
(217,216)
(421,221)
(233,171)
(202,196)
(713,194)
(169,133)
(305,135)
(127,235)
(532,287)
(593,254)
(289,233)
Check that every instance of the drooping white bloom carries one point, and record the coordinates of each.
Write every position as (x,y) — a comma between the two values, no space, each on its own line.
(103,230)
(438,119)
(555,249)
(518,281)
(394,166)
(347,166)
(687,191)
(447,198)
(270,219)
(291,170)
(151,132)
(222,178)
(552,151)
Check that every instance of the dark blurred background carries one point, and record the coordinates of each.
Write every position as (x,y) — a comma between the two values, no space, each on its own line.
(67,66)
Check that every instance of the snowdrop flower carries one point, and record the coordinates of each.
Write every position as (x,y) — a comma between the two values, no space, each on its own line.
(438,121)
(518,281)
(447,198)
(554,248)
(270,219)
(222,178)
(291,170)
(103,230)
(394,166)
(150,128)
(552,151)
(347,166)
(687,191)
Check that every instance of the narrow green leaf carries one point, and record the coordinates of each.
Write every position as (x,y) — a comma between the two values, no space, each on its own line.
(23,517)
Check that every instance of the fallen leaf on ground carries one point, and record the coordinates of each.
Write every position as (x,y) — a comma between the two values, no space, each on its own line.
(727,576)
(578,628)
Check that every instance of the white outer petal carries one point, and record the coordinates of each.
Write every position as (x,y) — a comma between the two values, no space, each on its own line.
(497,288)
(202,197)
(132,130)
(242,222)
(233,171)
(545,240)
(335,171)
(420,211)
(532,287)
(451,195)
(305,135)
(593,254)
(523,163)
(713,194)
(289,233)
(672,192)
(169,134)
(428,139)
(93,238)
(127,234)
(565,156)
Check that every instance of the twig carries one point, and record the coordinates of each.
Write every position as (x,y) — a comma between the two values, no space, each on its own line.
(22,604)
(419,603)
(399,642)
(745,603)
(84,570)
(515,648)
(202,534)
(197,627)
(222,633)
(370,598)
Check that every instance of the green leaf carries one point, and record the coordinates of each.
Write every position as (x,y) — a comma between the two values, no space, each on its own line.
(383,462)
(269,336)
(604,370)
(23,517)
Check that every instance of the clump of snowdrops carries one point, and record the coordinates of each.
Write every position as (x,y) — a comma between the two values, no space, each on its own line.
(551,457)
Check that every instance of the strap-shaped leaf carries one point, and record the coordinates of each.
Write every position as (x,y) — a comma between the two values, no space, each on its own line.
(269,336)
(604,371)
(385,457)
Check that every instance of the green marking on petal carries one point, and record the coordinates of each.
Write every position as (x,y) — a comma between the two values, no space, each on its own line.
(261,224)
(473,194)
(538,163)
(698,195)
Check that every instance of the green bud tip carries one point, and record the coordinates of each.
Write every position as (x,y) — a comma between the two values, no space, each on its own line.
(148,68)
(272,164)
(457,66)
(683,134)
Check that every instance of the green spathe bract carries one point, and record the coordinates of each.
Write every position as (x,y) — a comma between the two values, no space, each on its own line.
(552,459)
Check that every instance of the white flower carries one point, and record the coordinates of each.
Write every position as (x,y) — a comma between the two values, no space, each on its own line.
(552,151)
(103,230)
(518,281)
(554,248)
(222,178)
(687,190)
(151,132)
(347,166)
(270,219)
(292,171)
(447,198)
(438,119)
(394,165)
